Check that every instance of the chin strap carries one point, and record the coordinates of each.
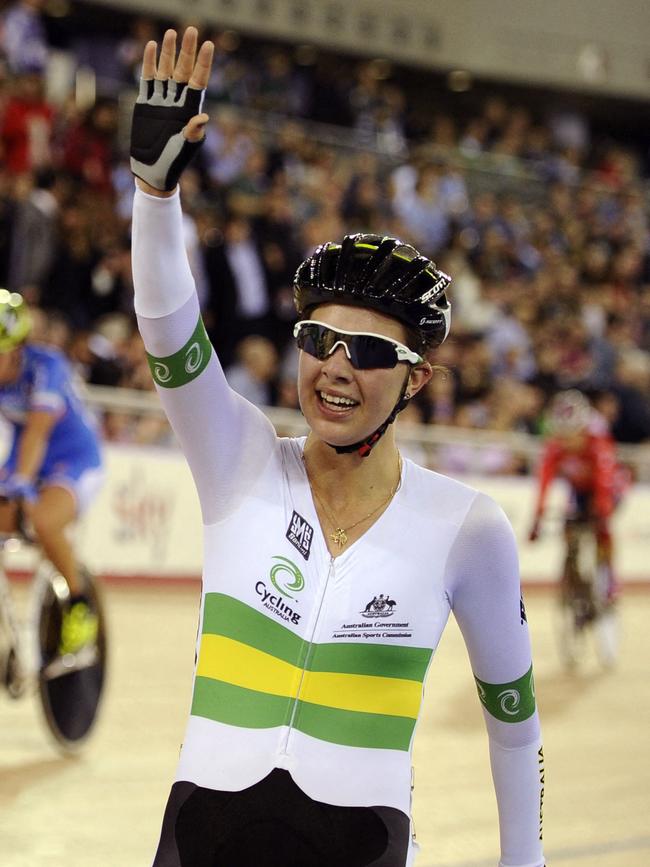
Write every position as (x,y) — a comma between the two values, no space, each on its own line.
(364,447)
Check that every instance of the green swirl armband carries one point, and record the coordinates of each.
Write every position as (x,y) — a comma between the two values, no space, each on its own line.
(509,702)
(184,365)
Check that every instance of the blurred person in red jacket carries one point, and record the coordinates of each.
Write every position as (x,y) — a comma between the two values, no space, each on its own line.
(27,125)
(89,147)
(581,450)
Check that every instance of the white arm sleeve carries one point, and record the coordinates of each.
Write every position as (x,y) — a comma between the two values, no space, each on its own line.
(161,272)
(226,440)
(484,591)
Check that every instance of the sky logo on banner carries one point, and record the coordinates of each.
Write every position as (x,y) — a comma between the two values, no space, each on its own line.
(300,534)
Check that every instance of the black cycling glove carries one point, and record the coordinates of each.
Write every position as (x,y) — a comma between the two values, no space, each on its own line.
(159,150)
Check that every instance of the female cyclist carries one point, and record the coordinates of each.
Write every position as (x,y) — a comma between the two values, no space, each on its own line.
(54,466)
(331,565)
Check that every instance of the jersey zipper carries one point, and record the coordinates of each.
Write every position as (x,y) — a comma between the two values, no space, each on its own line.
(294,710)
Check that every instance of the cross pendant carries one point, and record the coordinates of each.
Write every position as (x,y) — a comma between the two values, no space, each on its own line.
(338,537)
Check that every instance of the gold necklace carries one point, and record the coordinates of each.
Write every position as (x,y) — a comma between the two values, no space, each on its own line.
(339,537)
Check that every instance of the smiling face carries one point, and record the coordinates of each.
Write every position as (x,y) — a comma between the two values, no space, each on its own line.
(343,405)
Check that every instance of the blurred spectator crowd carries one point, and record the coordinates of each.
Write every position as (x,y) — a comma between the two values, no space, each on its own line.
(543,227)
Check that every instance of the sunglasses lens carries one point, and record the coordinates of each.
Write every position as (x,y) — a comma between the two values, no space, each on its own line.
(365,351)
(311,339)
(370,352)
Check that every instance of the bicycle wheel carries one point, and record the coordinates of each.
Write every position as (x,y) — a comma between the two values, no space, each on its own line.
(607,635)
(14,677)
(70,687)
(606,627)
(578,609)
(570,633)
(12,668)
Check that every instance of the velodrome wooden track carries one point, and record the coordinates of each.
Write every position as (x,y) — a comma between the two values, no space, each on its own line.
(103,808)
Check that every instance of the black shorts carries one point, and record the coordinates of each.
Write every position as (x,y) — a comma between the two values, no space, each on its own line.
(275,824)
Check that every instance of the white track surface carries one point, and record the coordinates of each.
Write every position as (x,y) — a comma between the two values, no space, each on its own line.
(104,808)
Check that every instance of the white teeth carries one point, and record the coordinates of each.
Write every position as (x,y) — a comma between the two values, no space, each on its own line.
(337,401)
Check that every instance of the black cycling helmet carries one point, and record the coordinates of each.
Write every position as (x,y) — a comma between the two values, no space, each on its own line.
(379,272)
(387,275)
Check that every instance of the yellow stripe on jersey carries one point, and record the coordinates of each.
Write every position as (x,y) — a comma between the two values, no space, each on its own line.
(232,662)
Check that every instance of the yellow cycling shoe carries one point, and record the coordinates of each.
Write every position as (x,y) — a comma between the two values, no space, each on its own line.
(78,628)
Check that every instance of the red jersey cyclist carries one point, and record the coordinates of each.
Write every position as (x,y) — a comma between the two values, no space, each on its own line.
(581,451)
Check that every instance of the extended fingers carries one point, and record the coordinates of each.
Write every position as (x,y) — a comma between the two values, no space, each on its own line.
(187,54)
(149,60)
(201,72)
(167,56)
(188,68)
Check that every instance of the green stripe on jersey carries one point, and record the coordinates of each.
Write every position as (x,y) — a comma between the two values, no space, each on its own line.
(185,365)
(246,708)
(383,660)
(253,672)
(237,706)
(354,728)
(231,618)
(509,702)
(223,615)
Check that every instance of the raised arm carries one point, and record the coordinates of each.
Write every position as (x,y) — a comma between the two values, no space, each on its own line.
(486,599)
(225,439)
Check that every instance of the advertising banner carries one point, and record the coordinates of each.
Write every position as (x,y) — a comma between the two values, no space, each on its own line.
(146,522)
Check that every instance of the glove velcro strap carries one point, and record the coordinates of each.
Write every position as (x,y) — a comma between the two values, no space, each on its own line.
(186,364)
(163,173)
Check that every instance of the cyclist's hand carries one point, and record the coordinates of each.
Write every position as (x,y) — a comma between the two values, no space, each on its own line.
(168,123)
(533,534)
(17,488)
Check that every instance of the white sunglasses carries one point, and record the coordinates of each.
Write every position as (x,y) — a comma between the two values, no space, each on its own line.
(364,349)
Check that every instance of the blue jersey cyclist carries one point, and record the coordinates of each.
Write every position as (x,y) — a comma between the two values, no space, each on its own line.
(54,465)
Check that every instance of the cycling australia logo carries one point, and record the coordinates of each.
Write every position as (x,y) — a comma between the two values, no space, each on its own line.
(287,580)
(286,577)
(300,534)
(161,373)
(509,701)
(193,357)
(379,606)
